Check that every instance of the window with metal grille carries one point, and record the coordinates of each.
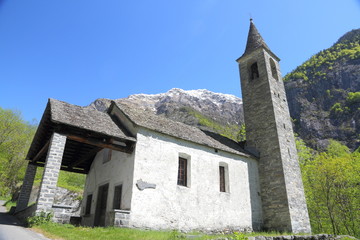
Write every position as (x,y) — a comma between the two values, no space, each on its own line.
(222,179)
(88,204)
(182,172)
(117,197)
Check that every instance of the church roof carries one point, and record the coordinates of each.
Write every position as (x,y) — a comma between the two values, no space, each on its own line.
(93,124)
(255,41)
(180,130)
(86,118)
(87,129)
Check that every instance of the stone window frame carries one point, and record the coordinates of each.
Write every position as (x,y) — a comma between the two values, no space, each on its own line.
(184,170)
(117,199)
(222,178)
(224,182)
(273,69)
(88,204)
(253,70)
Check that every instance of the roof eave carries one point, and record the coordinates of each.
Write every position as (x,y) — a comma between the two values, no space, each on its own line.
(245,54)
(249,155)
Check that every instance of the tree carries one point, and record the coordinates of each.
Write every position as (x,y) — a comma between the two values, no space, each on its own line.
(15,139)
(241,135)
(331,180)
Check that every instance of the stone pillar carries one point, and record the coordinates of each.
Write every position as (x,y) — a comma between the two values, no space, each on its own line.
(25,192)
(51,173)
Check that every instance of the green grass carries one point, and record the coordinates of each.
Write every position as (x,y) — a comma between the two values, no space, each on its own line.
(5,198)
(8,204)
(66,231)
(74,182)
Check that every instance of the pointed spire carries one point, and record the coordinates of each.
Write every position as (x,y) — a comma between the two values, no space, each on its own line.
(254,40)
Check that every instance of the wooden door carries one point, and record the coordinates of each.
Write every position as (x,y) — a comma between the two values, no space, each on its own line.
(100,211)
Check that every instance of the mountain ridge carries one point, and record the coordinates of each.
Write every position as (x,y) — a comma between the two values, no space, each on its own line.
(323,96)
(319,93)
(216,112)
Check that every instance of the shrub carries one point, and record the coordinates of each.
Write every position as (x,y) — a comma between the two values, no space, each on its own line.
(38,219)
(353,97)
(336,108)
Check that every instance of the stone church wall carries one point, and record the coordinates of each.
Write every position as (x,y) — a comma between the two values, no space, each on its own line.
(200,205)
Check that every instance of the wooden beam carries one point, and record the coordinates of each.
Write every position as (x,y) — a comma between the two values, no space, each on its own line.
(98,143)
(64,168)
(41,152)
(85,158)
(76,170)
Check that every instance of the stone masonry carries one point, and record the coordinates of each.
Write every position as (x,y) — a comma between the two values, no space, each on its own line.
(269,131)
(62,213)
(25,192)
(121,218)
(51,173)
(118,218)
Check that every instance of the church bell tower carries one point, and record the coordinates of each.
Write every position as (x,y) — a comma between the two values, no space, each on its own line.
(269,135)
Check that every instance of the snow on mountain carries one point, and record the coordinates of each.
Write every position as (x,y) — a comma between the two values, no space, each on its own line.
(187,106)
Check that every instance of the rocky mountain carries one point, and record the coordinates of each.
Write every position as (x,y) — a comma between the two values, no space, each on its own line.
(324,94)
(222,108)
(222,113)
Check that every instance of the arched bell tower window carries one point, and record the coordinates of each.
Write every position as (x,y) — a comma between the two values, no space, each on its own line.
(254,71)
(273,69)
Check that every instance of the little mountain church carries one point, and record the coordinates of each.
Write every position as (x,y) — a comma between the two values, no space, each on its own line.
(145,171)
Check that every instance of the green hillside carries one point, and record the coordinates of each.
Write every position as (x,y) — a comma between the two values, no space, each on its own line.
(324,94)
(347,48)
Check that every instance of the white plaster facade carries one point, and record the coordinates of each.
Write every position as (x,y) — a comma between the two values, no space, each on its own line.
(199,206)
(119,170)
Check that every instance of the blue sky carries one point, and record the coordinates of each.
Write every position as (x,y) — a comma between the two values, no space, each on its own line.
(77,50)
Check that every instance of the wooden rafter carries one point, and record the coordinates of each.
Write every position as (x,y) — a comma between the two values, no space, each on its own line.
(77,170)
(85,158)
(41,152)
(98,143)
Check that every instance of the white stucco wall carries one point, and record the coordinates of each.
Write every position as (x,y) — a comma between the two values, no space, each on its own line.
(201,205)
(119,170)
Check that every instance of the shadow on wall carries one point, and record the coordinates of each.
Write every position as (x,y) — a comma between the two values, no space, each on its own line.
(255,197)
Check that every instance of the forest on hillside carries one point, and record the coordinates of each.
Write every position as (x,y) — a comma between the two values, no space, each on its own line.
(324,94)
(332,187)
(15,138)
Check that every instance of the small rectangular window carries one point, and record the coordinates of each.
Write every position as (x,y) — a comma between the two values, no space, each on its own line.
(182,172)
(107,155)
(222,179)
(117,197)
(88,204)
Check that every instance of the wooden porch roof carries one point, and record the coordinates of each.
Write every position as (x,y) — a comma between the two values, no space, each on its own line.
(87,130)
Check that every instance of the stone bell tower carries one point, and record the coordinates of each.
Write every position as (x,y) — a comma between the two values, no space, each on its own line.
(269,135)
